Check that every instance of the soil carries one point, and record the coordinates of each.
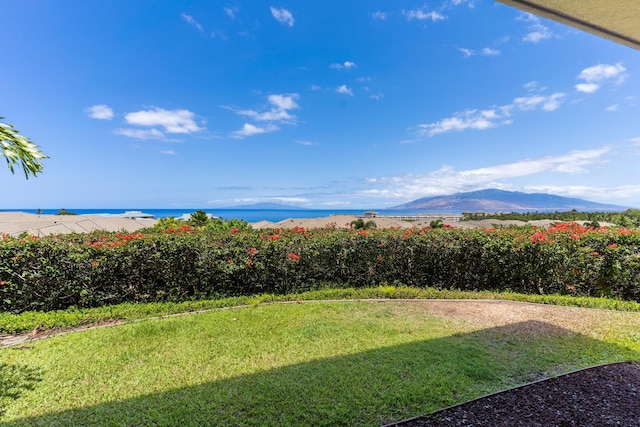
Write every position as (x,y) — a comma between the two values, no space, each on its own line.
(607,395)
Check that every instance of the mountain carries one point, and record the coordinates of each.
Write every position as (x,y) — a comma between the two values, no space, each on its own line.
(500,200)
(267,206)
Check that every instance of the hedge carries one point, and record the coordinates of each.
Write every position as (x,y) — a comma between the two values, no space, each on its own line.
(97,269)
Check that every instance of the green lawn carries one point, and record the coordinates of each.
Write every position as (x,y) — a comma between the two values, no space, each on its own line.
(344,363)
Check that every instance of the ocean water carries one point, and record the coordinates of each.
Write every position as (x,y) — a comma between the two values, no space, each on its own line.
(249,215)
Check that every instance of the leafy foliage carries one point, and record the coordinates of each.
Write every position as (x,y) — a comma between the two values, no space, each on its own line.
(18,149)
(360,224)
(97,269)
(628,218)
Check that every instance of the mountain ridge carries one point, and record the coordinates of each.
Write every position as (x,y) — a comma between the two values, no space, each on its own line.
(501,200)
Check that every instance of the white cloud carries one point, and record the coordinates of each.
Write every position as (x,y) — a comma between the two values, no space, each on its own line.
(283,16)
(230,12)
(490,52)
(597,74)
(533,86)
(587,87)
(466,52)
(537,31)
(421,14)
(140,133)
(285,102)
(487,51)
(447,180)
(100,112)
(553,102)
(280,104)
(267,199)
(345,65)
(459,2)
(168,152)
(613,107)
(601,72)
(173,121)
(344,90)
(191,21)
(470,119)
(486,119)
(380,15)
(249,130)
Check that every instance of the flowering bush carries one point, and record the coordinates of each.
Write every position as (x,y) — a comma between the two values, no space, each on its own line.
(183,263)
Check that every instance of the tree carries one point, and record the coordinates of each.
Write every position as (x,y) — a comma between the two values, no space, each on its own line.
(17,149)
(199,218)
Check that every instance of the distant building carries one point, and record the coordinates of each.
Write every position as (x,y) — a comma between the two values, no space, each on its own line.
(136,215)
(370,214)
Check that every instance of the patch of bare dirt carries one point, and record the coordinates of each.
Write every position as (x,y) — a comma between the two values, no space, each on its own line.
(607,395)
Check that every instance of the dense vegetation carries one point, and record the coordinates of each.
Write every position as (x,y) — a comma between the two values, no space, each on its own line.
(628,218)
(221,260)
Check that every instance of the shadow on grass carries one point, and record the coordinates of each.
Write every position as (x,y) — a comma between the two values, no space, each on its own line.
(15,380)
(372,387)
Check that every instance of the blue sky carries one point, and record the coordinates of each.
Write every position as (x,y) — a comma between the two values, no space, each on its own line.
(327,105)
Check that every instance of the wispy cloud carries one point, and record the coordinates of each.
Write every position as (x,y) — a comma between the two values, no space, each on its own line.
(168,152)
(487,51)
(344,90)
(140,133)
(344,65)
(470,3)
(283,16)
(266,199)
(249,130)
(422,14)
(613,107)
(594,76)
(191,21)
(489,118)
(379,15)
(100,112)
(230,12)
(279,112)
(280,105)
(447,180)
(172,121)
(537,30)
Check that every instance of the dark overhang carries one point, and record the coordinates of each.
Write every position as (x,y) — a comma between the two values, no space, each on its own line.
(616,20)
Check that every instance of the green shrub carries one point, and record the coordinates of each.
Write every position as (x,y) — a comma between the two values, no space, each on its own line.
(181,264)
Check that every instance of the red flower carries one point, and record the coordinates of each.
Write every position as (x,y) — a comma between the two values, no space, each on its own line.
(4,282)
(252,251)
(594,253)
(234,230)
(274,237)
(612,246)
(538,236)
(293,257)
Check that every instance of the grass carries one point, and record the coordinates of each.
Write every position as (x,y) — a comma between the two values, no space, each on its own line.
(25,322)
(319,363)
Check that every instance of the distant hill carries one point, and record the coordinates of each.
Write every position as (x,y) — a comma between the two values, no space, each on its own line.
(268,206)
(500,200)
